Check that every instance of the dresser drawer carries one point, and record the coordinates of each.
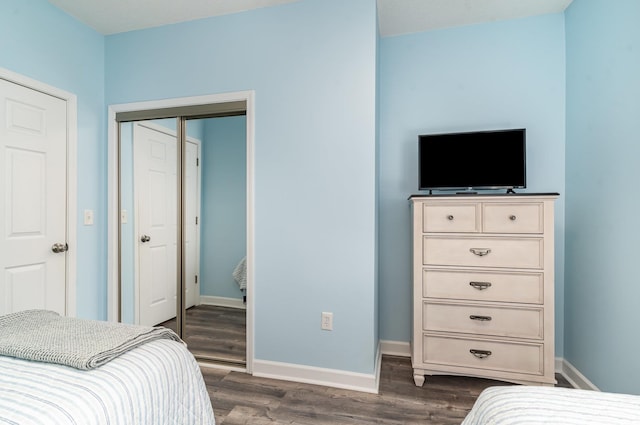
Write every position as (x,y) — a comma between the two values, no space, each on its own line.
(523,253)
(447,218)
(492,355)
(483,286)
(483,320)
(512,218)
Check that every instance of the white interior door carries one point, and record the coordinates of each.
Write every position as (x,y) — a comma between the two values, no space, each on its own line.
(192,222)
(33,179)
(155,194)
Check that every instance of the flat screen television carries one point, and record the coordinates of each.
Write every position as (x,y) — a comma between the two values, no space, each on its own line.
(493,159)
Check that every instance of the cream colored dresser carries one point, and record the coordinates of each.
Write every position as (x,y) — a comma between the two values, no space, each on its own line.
(483,287)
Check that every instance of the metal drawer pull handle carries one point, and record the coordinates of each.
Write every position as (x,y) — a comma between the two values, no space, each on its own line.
(480,318)
(449,217)
(480,252)
(59,247)
(512,217)
(145,238)
(480,285)
(481,354)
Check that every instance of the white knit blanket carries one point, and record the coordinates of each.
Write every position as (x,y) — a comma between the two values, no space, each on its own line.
(45,336)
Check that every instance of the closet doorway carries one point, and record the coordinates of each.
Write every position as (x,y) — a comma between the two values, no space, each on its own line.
(184,212)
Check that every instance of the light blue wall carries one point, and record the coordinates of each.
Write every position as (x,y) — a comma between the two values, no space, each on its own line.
(41,42)
(195,128)
(310,63)
(223,233)
(500,75)
(316,184)
(603,149)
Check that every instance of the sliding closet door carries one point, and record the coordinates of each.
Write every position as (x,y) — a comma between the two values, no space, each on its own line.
(215,174)
(183,221)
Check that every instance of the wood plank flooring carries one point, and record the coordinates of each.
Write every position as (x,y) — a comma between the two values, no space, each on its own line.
(239,398)
(215,333)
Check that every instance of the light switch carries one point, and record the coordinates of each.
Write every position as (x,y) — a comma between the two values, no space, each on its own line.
(88,217)
(124,217)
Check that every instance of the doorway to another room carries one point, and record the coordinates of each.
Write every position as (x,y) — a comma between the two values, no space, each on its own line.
(37,196)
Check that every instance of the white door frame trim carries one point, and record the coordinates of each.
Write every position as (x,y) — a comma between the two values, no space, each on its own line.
(72,172)
(198,208)
(113,215)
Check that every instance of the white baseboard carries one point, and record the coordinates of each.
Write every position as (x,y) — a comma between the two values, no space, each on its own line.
(395,348)
(573,375)
(558,364)
(219,366)
(364,382)
(370,383)
(222,301)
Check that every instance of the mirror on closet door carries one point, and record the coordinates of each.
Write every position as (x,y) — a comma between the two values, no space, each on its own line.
(214,191)
(211,242)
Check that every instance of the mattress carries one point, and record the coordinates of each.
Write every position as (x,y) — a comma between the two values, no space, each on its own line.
(525,405)
(157,383)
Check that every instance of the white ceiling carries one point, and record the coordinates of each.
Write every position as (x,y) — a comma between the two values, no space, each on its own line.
(409,16)
(395,16)
(114,16)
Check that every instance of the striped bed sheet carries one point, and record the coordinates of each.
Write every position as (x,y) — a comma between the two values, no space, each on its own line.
(524,405)
(157,383)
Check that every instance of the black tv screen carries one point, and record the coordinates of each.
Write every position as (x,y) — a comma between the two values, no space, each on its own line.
(473,160)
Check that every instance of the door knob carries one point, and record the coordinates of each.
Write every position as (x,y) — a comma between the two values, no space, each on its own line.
(145,238)
(59,247)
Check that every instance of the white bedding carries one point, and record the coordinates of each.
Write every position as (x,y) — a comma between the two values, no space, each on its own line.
(45,336)
(157,383)
(523,405)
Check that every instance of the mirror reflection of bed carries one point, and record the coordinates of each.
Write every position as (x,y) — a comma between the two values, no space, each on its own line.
(214,232)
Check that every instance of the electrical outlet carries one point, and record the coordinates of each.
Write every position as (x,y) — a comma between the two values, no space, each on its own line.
(88,217)
(327,321)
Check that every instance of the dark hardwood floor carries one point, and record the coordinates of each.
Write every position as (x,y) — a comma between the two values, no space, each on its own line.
(239,398)
(215,333)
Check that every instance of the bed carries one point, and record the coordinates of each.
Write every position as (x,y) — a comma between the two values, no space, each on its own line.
(528,405)
(155,382)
